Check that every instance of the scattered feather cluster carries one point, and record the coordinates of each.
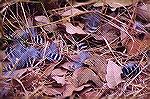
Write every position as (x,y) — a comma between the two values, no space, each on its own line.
(22,56)
(74,49)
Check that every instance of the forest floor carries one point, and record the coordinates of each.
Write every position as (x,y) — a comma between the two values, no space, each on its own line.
(75,49)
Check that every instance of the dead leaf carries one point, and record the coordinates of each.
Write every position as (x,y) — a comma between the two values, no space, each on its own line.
(83,75)
(72,29)
(107,31)
(134,48)
(81,87)
(51,90)
(41,20)
(123,36)
(98,64)
(60,80)
(147,25)
(16,73)
(1,68)
(2,55)
(68,90)
(77,3)
(113,77)
(67,65)
(49,69)
(72,11)
(51,27)
(91,95)
(143,11)
(115,3)
(98,4)
(58,72)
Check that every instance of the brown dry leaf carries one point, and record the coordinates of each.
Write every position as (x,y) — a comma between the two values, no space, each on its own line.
(72,29)
(1,68)
(138,46)
(98,64)
(98,4)
(81,87)
(82,2)
(147,25)
(143,11)
(72,80)
(107,31)
(113,77)
(67,65)
(146,1)
(115,3)
(52,91)
(44,20)
(1,27)
(91,95)
(58,72)
(83,74)
(16,73)
(60,80)
(30,21)
(2,55)
(69,88)
(49,69)
(123,36)
(72,11)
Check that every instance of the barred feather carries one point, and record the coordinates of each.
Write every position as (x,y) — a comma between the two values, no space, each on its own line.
(8,67)
(38,39)
(82,46)
(92,21)
(84,55)
(26,34)
(24,56)
(52,53)
(55,57)
(52,48)
(130,70)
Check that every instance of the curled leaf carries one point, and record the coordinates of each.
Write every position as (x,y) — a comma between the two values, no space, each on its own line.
(51,91)
(85,74)
(67,65)
(113,77)
(60,80)
(98,64)
(44,20)
(68,90)
(2,55)
(143,11)
(72,29)
(58,72)
(72,11)
(115,3)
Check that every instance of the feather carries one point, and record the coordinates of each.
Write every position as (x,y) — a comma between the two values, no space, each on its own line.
(84,55)
(29,32)
(82,46)
(130,70)
(38,39)
(21,56)
(92,21)
(55,57)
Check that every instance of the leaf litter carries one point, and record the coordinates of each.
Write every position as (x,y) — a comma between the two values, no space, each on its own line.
(74,49)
